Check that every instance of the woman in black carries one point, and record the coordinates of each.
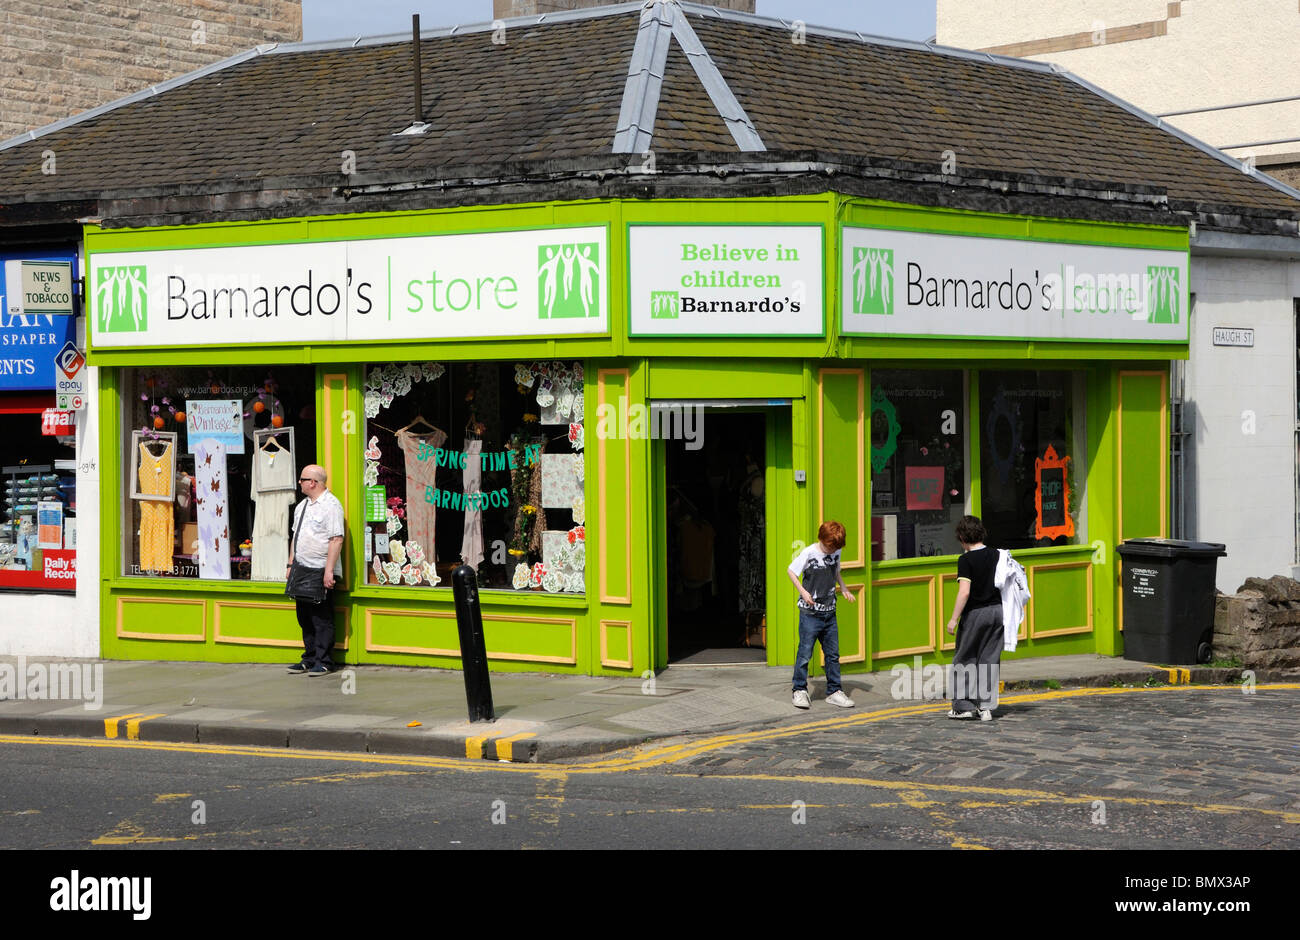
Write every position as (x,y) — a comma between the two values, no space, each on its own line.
(979,611)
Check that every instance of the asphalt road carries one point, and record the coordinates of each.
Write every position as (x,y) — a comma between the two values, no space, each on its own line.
(1166,768)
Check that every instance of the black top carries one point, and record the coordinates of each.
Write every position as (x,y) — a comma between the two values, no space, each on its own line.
(978,566)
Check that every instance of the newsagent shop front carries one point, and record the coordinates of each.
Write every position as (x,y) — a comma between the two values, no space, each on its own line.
(628,417)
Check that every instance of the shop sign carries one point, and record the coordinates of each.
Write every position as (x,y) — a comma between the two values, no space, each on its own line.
(70,378)
(923,284)
(726,280)
(55,423)
(28,341)
(219,419)
(543,282)
(40,288)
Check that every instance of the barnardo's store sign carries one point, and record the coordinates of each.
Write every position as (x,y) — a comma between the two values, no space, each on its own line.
(920,284)
(725,280)
(525,283)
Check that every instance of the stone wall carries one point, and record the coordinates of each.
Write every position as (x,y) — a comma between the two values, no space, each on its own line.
(61,57)
(1260,624)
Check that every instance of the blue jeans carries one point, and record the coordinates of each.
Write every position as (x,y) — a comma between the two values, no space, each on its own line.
(815,626)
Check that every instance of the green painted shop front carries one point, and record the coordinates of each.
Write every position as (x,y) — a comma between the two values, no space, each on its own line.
(813,391)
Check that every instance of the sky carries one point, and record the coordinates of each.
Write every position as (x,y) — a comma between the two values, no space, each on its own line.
(338,19)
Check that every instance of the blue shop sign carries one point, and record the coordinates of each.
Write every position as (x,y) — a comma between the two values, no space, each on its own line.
(28,343)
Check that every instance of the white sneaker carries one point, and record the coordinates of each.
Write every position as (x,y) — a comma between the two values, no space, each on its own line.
(800,698)
(985,715)
(955,714)
(840,699)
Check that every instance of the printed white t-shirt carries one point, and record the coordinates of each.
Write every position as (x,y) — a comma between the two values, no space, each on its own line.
(820,575)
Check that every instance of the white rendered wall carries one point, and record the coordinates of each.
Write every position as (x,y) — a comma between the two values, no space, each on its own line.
(1215,52)
(1241,485)
(60,624)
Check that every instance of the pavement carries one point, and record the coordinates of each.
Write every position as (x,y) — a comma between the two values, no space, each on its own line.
(416,711)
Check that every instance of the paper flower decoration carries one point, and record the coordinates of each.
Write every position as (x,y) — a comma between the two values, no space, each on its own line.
(536,575)
(393,571)
(545,394)
(397,551)
(415,552)
(433,371)
(378,566)
(576,436)
(370,475)
(578,558)
(579,466)
(411,575)
(431,574)
(523,376)
(552,581)
(372,449)
(521,578)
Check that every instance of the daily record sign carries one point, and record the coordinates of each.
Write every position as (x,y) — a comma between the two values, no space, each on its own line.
(70,378)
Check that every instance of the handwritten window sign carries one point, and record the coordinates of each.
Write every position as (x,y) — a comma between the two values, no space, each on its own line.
(924,487)
(1052,496)
(221,419)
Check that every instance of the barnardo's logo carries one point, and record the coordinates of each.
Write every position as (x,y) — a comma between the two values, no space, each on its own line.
(665,304)
(122,294)
(873,280)
(568,280)
(1162,294)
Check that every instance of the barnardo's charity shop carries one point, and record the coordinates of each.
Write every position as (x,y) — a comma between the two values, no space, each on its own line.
(618,327)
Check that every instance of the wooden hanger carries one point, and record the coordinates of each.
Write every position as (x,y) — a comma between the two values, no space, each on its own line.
(419,419)
(270,440)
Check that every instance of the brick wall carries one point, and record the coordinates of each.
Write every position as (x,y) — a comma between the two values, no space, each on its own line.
(504,9)
(62,57)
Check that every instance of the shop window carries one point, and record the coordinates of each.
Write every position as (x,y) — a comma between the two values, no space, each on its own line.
(210,469)
(480,463)
(38,542)
(1032,457)
(918,461)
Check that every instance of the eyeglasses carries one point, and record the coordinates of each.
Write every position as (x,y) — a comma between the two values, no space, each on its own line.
(307,480)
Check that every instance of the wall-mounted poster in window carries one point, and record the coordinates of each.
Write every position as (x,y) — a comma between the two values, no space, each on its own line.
(924,488)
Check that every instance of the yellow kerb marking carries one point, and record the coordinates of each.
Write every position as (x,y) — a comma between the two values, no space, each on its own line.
(474,746)
(110,724)
(133,726)
(506,746)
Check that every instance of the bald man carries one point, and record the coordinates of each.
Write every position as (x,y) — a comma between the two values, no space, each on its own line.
(314,566)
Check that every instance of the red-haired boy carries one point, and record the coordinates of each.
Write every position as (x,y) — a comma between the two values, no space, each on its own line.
(819,565)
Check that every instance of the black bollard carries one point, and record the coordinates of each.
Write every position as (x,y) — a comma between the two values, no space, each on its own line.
(473,649)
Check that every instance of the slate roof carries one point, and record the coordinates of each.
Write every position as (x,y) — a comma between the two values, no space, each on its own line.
(552,93)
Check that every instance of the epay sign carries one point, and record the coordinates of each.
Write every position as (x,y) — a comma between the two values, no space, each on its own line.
(494,284)
(70,378)
(895,283)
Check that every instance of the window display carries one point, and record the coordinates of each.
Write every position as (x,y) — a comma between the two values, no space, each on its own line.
(1031,448)
(918,461)
(479,463)
(212,459)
